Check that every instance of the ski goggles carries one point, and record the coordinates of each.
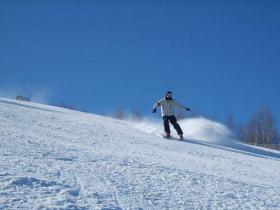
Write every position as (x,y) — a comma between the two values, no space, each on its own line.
(169,94)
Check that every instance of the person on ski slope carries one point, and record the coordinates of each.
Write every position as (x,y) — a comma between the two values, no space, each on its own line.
(167,105)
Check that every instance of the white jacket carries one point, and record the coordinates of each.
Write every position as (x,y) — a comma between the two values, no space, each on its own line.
(167,106)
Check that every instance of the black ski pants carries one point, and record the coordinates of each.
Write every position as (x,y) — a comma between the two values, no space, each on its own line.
(172,119)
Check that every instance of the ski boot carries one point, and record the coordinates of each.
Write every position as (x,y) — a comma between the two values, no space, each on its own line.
(181,137)
(167,135)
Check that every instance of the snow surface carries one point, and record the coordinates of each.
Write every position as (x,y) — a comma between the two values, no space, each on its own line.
(54,158)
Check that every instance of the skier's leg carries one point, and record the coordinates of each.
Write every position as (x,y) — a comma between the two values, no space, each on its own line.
(166,124)
(175,124)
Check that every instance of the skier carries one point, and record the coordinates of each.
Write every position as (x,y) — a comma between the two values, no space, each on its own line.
(167,111)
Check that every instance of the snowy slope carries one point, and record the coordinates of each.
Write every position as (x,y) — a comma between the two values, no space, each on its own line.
(54,158)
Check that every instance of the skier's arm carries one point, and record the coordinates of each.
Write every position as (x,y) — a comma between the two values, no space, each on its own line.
(158,103)
(177,104)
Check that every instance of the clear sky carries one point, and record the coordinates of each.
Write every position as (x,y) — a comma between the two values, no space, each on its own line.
(217,57)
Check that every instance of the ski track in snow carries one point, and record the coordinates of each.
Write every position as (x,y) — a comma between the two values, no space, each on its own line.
(53,158)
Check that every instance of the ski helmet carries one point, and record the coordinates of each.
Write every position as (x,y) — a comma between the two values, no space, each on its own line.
(168,95)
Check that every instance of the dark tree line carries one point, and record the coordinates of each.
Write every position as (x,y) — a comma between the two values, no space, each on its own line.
(259,130)
(134,115)
(69,106)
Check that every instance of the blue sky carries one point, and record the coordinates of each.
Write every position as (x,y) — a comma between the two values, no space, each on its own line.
(217,57)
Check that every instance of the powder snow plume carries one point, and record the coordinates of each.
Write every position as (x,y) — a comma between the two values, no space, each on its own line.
(198,128)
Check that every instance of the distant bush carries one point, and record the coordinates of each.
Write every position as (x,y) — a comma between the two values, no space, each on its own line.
(68,106)
(22,98)
(136,116)
(121,114)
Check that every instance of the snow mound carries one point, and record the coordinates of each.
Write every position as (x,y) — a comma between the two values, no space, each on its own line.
(198,128)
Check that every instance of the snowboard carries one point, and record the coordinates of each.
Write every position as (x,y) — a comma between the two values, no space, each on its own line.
(171,137)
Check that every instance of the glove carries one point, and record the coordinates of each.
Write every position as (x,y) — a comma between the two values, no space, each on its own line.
(188,109)
(154,111)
